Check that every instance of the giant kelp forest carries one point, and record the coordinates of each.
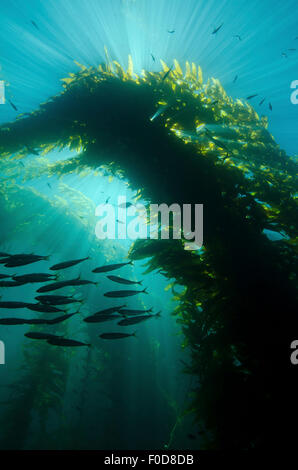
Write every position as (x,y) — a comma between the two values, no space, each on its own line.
(177,139)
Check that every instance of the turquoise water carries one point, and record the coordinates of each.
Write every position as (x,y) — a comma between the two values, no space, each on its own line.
(33,61)
(129,394)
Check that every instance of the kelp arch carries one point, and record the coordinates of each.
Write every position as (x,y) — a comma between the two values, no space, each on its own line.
(237,309)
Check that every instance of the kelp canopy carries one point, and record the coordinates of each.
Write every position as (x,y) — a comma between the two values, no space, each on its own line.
(177,139)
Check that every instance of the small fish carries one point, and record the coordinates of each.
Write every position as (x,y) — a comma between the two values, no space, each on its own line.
(26,256)
(60,319)
(235,78)
(23,321)
(11,283)
(56,299)
(124,293)
(14,264)
(83,282)
(153,58)
(238,37)
(119,221)
(172,31)
(160,110)
(31,150)
(292,49)
(250,97)
(21,163)
(54,286)
(36,277)
(110,267)
(166,74)
(125,205)
(43,308)
(120,280)
(217,29)
(270,106)
(37,321)
(12,304)
(138,319)
(284,55)
(216,141)
(34,24)
(60,284)
(22,260)
(101,318)
(36,335)
(134,311)
(199,130)
(67,264)
(262,101)
(116,335)
(49,185)
(110,310)
(4,276)
(13,105)
(107,200)
(65,342)
(12,321)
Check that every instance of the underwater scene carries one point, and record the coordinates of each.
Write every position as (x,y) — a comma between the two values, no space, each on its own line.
(148,214)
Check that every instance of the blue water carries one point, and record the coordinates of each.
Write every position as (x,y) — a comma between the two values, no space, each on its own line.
(138,394)
(33,61)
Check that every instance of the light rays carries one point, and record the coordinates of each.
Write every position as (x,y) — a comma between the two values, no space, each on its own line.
(33,60)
